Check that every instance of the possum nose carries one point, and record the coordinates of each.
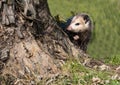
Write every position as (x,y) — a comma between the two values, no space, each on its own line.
(69,28)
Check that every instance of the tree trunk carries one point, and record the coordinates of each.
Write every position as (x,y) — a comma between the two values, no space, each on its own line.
(32,46)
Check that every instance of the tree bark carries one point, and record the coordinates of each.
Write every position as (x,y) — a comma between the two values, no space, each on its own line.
(32,46)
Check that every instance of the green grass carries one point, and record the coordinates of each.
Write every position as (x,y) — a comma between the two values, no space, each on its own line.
(81,75)
(106,17)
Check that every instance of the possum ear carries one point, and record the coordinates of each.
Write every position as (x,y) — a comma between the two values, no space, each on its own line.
(86,18)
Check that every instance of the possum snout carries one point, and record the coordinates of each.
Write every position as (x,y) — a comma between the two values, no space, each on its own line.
(69,28)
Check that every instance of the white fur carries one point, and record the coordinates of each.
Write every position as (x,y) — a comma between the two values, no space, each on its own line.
(78,28)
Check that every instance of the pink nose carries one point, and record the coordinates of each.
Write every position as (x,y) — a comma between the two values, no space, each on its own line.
(69,28)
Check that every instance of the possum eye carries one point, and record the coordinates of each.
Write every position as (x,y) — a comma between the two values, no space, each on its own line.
(77,23)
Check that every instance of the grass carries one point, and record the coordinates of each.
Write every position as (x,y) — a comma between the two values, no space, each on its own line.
(81,75)
(105,15)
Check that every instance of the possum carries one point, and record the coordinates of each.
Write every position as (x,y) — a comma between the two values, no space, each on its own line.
(79,29)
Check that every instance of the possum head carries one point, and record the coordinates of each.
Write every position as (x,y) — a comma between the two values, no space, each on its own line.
(80,23)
